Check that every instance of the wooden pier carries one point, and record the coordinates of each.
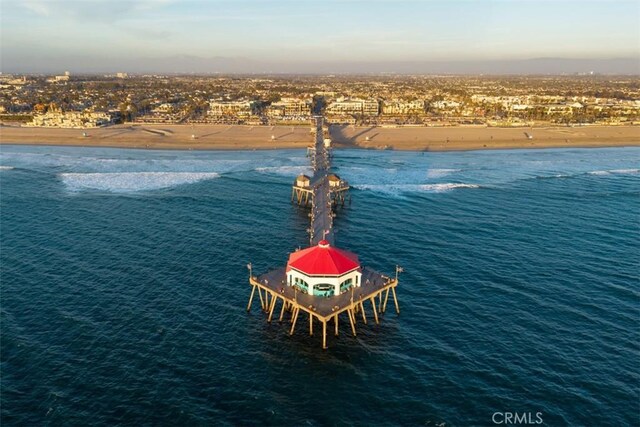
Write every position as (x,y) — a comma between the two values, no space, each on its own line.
(323,192)
(273,292)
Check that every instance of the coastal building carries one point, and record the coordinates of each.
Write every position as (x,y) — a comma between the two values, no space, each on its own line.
(232,108)
(561,109)
(397,107)
(444,104)
(346,106)
(71,119)
(323,270)
(290,107)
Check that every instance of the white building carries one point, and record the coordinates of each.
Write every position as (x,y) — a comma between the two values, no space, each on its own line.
(366,107)
(71,119)
(231,108)
(323,270)
(290,107)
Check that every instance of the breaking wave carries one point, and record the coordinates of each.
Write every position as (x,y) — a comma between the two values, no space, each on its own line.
(616,171)
(125,182)
(6,168)
(448,186)
(409,188)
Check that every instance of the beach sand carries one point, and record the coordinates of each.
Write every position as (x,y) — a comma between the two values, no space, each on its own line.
(237,137)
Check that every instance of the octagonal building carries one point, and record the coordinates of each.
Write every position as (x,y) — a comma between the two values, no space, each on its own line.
(323,270)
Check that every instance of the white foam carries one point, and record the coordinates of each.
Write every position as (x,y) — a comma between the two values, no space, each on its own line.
(381,188)
(290,171)
(626,171)
(6,168)
(408,188)
(616,171)
(444,187)
(439,173)
(124,182)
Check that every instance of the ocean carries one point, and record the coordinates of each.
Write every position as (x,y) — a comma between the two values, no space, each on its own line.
(124,289)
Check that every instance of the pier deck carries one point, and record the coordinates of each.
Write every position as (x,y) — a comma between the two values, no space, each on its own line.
(321,208)
(375,289)
(373,285)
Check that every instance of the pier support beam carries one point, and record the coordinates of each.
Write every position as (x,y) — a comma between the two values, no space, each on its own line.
(386,298)
(352,316)
(324,335)
(253,290)
(296,311)
(375,312)
(267,303)
(284,306)
(395,299)
(310,324)
(274,300)
(335,321)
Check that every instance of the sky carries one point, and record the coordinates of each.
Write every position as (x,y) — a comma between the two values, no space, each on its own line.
(43,35)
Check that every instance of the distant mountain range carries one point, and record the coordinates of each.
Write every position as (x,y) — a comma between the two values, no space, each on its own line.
(185,64)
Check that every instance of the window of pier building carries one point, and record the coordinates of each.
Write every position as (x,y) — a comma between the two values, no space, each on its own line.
(346,284)
(324,290)
(301,284)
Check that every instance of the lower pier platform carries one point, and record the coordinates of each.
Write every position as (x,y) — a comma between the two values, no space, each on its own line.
(375,289)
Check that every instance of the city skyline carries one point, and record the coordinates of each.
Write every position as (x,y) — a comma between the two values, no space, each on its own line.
(342,36)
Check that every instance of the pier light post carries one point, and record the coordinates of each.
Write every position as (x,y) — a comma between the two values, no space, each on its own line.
(398,270)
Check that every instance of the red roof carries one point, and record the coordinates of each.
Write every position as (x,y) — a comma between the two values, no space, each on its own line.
(323,260)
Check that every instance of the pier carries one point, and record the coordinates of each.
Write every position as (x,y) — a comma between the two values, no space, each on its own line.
(323,281)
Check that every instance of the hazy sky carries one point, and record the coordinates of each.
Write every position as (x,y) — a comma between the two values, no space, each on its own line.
(37,31)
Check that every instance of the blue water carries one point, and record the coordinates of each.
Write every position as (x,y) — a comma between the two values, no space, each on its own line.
(124,289)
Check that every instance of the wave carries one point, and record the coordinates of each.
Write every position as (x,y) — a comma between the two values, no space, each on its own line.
(6,168)
(103,161)
(439,173)
(125,182)
(409,188)
(290,171)
(616,171)
(448,186)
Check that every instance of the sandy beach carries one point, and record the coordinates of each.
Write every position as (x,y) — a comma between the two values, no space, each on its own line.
(237,137)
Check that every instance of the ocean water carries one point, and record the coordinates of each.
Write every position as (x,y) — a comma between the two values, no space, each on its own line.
(124,286)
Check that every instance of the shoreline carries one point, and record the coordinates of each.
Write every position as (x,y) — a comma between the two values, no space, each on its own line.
(242,137)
